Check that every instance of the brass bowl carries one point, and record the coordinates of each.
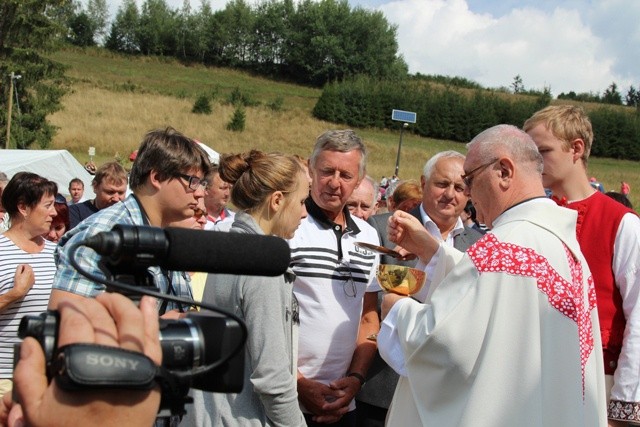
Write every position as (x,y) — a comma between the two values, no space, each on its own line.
(400,279)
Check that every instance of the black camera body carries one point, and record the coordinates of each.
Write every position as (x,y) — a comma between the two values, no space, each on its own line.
(186,354)
(204,351)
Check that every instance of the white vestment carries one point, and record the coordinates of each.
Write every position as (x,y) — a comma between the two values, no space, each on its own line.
(508,337)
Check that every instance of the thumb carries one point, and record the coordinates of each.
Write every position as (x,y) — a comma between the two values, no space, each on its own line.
(29,376)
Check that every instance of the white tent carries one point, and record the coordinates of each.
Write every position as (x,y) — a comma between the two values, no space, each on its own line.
(214,157)
(57,165)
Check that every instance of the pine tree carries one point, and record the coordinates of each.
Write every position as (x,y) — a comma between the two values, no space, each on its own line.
(237,121)
(27,29)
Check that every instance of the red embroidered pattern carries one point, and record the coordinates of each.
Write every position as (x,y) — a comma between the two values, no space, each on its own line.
(490,255)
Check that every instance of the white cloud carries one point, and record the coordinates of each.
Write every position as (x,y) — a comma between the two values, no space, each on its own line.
(555,48)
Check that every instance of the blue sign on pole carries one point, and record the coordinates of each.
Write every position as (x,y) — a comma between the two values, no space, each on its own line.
(406,117)
(403,116)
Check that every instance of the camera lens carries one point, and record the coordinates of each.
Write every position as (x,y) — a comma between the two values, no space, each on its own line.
(181,343)
(42,327)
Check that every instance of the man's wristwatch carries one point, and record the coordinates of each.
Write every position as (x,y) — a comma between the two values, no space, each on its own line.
(358,376)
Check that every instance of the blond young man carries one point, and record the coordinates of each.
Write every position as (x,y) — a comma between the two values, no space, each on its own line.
(609,237)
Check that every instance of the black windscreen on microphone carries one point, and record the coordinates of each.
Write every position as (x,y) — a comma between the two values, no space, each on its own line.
(182,249)
(231,253)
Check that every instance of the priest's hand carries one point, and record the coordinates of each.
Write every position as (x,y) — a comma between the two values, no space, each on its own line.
(408,232)
(388,300)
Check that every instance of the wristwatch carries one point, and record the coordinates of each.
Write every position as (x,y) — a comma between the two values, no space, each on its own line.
(358,376)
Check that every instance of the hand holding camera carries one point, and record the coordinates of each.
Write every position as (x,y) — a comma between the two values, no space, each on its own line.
(110,320)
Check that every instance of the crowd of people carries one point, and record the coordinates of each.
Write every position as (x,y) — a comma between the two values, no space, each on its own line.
(529,314)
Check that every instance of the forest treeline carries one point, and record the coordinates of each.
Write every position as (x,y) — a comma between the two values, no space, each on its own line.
(308,42)
(453,113)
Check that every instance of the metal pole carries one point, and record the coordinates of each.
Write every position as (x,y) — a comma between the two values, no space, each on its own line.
(404,125)
(10,106)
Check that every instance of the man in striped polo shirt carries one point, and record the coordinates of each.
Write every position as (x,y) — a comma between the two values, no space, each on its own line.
(335,285)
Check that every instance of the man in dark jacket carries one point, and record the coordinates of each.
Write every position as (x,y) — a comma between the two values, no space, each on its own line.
(443,200)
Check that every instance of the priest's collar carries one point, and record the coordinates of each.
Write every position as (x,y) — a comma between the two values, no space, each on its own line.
(525,201)
(314,210)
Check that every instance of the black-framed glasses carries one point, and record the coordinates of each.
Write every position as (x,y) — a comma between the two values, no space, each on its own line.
(194,181)
(467,178)
(348,285)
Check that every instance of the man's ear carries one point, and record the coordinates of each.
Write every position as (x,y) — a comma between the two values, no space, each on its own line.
(154,179)
(578,148)
(506,168)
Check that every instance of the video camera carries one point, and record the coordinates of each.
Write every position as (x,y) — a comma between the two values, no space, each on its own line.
(205,350)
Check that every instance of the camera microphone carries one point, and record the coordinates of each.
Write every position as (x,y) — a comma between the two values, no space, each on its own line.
(182,249)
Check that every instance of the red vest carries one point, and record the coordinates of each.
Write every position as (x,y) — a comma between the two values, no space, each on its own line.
(599,217)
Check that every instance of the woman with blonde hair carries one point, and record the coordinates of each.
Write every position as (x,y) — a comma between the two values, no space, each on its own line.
(269,191)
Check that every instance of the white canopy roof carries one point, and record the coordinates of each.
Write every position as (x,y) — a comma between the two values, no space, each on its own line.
(214,157)
(57,165)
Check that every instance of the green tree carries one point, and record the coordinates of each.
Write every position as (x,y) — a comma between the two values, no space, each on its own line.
(123,37)
(81,30)
(202,105)
(28,28)
(517,84)
(185,36)
(611,95)
(272,30)
(235,29)
(632,99)
(237,121)
(158,29)
(98,13)
(195,31)
(371,47)
(331,42)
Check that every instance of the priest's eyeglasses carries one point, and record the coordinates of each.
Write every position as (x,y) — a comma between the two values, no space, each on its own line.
(194,181)
(467,178)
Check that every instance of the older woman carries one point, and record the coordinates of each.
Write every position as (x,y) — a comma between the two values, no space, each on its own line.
(26,260)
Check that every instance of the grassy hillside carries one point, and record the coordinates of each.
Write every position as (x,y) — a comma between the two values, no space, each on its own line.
(115,100)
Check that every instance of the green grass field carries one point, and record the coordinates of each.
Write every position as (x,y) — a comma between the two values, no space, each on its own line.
(115,99)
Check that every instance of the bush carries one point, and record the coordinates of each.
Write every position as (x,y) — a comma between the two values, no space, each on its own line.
(202,105)
(237,121)
(238,98)
(276,104)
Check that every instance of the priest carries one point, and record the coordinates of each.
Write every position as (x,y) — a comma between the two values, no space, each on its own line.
(509,334)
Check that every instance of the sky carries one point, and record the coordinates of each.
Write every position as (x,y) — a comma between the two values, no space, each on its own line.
(569,45)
